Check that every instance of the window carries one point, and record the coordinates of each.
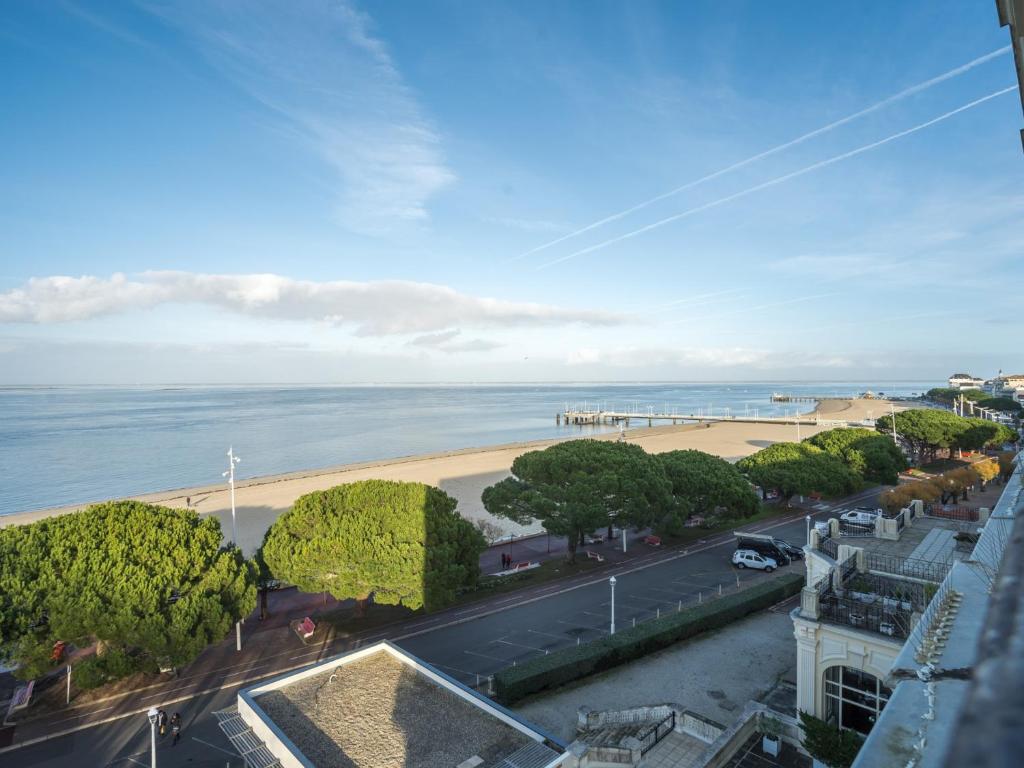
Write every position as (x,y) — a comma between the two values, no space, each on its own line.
(853,698)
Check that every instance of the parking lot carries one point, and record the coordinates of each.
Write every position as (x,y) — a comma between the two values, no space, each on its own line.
(636,601)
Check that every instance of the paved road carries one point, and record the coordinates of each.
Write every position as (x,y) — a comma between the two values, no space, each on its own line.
(469,644)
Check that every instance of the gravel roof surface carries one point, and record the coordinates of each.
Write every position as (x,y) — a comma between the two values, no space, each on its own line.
(380,713)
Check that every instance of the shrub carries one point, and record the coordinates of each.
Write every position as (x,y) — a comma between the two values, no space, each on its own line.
(575,662)
(113,665)
(828,744)
(89,673)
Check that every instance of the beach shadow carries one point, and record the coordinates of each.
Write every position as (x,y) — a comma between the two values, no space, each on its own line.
(252,523)
(761,443)
(467,491)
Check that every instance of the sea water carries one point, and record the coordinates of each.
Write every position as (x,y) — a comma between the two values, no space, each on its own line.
(69,445)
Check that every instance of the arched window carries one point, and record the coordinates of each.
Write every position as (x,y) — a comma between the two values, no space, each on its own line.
(853,698)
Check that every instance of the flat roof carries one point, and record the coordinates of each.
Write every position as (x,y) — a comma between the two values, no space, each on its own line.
(382,708)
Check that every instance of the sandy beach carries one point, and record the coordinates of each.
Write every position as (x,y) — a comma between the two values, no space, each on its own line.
(464,474)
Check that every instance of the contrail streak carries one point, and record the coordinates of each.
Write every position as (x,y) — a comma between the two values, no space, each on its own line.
(779,179)
(768,152)
(700,298)
(745,310)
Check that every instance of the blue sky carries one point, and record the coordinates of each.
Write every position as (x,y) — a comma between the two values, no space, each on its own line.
(331,191)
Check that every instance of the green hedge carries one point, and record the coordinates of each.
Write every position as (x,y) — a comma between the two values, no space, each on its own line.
(578,661)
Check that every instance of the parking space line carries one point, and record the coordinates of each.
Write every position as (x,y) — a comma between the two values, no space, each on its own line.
(522,645)
(226,752)
(548,634)
(674,592)
(586,628)
(658,600)
(485,656)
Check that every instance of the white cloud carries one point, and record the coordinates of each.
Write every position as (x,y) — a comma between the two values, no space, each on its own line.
(434,339)
(376,308)
(444,342)
(318,66)
(704,358)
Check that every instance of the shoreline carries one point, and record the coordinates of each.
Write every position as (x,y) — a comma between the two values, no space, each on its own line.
(462,473)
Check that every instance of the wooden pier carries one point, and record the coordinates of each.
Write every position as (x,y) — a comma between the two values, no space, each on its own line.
(781,397)
(583,417)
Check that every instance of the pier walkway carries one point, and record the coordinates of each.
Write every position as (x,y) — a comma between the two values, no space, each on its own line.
(573,416)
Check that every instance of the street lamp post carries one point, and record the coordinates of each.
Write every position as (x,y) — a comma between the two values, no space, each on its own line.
(230,475)
(808,518)
(612,582)
(153,714)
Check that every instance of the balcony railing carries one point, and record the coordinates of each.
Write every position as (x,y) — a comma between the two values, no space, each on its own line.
(828,546)
(885,616)
(913,568)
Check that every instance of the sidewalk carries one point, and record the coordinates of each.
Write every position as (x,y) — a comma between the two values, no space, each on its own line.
(543,547)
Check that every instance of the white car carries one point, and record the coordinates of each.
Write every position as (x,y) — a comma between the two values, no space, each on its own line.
(862,516)
(748,558)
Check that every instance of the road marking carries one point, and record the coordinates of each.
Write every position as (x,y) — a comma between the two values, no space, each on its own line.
(579,625)
(547,634)
(226,752)
(659,601)
(75,717)
(522,645)
(485,656)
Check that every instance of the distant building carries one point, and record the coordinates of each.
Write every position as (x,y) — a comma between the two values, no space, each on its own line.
(380,707)
(965,381)
(1006,385)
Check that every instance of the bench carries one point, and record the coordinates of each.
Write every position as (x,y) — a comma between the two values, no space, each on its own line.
(595,556)
(305,628)
(653,541)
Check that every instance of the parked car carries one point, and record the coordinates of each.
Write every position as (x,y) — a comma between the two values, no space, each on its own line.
(862,517)
(775,549)
(876,511)
(748,558)
(794,553)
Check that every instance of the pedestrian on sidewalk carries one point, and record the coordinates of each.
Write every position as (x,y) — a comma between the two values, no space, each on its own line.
(161,721)
(175,727)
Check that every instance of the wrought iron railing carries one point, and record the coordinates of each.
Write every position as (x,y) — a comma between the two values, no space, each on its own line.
(847,568)
(828,546)
(651,735)
(885,616)
(911,567)
(962,514)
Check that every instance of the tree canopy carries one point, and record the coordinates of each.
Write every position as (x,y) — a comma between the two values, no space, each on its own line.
(793,468)
(124,574)
(928,430)
(706,483)
(399,543)
(872,455)
(581,485)
(985,399)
